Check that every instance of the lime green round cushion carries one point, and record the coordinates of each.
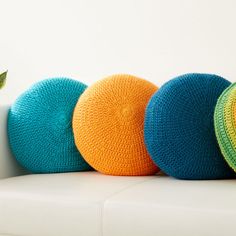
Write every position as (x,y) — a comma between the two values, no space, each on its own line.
(225,124)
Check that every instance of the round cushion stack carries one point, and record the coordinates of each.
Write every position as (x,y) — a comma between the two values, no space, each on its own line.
(179,127)
(40,129)
(108,125)
(225,124)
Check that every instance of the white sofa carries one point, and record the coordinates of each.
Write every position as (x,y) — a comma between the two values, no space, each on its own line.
(92,204)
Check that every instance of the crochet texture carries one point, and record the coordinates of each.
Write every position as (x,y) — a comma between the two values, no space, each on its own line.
(225,124)
(108,125)
(40,129)
(179,127)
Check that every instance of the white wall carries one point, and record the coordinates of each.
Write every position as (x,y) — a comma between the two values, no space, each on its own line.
(90,39)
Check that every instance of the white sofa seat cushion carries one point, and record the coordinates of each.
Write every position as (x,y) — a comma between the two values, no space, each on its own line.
(90,204)
(169,207)
(58,204)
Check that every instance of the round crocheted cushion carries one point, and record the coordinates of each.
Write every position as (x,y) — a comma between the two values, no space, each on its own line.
(179,128)
(108,125)
(225,124)
(40,127)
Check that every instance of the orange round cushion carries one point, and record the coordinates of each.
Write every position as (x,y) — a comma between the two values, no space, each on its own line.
(108,124)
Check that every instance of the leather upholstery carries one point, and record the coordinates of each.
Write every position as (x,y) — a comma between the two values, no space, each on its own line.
(58,204)
(92,204)
(169,207)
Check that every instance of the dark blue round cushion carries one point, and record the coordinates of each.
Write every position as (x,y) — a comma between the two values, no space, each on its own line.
(179,127)
(40,127)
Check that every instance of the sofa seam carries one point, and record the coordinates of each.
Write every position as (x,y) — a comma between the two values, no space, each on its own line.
(103,202)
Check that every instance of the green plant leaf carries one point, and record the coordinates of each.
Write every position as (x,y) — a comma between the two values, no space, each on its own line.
(3,77)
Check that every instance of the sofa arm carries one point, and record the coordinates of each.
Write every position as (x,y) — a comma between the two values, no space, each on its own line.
(9,167)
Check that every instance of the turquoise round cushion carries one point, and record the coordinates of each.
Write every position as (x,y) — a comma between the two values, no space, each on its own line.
(40,127)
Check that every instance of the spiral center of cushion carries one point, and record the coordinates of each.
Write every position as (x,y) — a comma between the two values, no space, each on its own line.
(59,125)
(127,111)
